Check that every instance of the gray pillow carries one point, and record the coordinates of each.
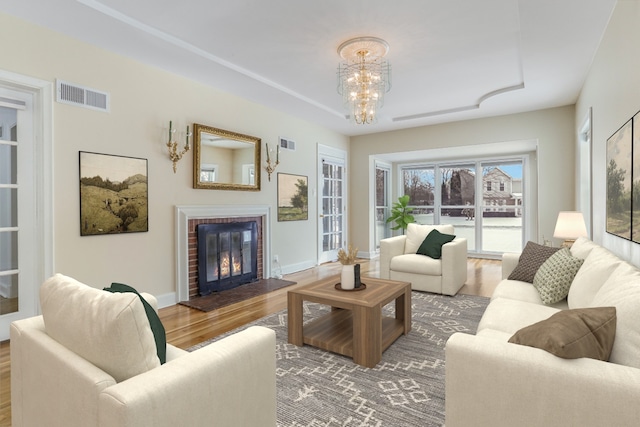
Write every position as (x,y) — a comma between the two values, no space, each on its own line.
(571,334)
(554,277)
(532,257)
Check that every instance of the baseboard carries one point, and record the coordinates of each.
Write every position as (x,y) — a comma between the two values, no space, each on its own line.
(368,255)
(294,268)
(167,300)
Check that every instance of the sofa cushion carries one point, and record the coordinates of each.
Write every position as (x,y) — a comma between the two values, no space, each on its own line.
(582,247)
(555,275)
(416,264)
(507,315)
(522,291)
(416,234)
(596,269)
(622,291)
(109,330)
(571,334)
(532,257)
(431,246)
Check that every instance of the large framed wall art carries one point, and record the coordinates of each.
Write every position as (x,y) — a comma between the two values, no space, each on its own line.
(113,194)
(293,200)
(619,181)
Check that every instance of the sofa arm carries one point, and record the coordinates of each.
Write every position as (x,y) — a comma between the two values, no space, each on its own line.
(231,382)
(454,265)
(494,383)
(389,248)
(509,263)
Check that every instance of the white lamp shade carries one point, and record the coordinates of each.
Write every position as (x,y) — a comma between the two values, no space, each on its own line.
(570,225)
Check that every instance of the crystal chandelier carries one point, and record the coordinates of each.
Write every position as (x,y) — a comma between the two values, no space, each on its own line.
(364,77)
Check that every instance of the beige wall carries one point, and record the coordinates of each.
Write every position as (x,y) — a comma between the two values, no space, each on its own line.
(552,128)
(612,89)
(143,100)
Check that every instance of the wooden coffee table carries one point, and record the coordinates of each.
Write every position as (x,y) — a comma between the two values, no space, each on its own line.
(355,326)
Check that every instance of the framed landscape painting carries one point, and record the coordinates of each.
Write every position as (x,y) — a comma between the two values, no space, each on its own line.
(619,167)
(293,201)
(635,176)
(113,194)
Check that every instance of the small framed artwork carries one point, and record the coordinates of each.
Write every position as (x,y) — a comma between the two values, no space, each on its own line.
(619,164)
(113,194)
(293,200)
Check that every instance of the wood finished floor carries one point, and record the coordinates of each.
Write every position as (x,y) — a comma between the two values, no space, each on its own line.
(186,327)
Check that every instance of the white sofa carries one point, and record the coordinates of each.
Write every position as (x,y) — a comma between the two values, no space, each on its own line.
(399,261)
(230,382)
(491,382)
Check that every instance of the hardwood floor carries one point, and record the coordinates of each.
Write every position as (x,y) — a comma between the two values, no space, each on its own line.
(186,327)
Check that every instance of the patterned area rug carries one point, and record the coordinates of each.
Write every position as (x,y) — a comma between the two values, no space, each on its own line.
(318,388)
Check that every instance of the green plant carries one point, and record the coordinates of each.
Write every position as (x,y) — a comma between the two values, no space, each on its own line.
(401,214)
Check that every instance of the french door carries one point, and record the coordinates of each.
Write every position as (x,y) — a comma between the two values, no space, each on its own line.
(332,203)
(17,209)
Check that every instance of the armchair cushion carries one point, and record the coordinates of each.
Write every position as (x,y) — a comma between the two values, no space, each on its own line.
(571,334)
(110,330)
(431,246)
(416,233)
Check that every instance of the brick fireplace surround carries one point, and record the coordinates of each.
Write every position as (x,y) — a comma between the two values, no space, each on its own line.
(188,217)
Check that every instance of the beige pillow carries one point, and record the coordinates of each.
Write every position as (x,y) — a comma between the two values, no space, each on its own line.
(571,334)
(596,269)
(109,330)
(554,277)
(416,233)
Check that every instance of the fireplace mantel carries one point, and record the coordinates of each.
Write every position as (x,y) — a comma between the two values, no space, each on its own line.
(186,213)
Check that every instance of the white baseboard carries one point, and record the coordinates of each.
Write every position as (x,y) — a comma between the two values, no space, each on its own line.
(294,268)
(368,255)
(167,300)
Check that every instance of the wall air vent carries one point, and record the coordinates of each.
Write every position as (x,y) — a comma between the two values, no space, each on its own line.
(69,93)
(287,144)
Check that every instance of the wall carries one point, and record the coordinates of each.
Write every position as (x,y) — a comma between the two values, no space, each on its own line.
(143,100)
(612,89)
(553,129)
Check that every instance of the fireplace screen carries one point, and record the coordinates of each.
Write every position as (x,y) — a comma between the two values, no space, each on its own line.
(227,256)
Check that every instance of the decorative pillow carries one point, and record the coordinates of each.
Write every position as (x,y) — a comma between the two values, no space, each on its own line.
(596,269)
(554,277)
(416,234)
(432,244)
(571,334)
(157,328)
(532,257)
(622,290)
(110,330)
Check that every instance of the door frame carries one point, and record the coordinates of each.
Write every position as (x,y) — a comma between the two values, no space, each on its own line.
(43,254)
(339,156)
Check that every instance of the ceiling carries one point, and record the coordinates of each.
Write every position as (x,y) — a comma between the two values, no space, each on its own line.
(451,59)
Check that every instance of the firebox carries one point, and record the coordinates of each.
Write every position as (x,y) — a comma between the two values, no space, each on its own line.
(227,255)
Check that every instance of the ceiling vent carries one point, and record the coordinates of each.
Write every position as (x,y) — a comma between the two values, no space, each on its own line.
(69,93)
(287,144)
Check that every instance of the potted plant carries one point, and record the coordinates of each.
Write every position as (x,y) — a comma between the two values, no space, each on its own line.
(401,214)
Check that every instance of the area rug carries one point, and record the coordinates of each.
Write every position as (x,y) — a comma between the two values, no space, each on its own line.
(217,300)
(318,388)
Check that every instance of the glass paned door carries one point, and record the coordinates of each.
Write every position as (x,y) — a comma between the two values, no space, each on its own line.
(420,184)
(383,205)
(502,207)
(8,211)
(332,216)
(457,196)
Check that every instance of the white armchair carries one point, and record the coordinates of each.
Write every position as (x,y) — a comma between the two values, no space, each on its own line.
(399,261)
(230,382)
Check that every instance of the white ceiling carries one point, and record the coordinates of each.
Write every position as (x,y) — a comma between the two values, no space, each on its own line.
(451,59)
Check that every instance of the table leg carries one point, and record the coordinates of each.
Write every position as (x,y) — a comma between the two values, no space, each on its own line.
(367,335)
(403,310)
(294,319)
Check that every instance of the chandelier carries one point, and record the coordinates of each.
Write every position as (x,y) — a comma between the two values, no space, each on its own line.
(364,77)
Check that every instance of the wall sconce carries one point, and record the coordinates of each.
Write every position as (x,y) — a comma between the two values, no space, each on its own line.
(271,166)
(174,155)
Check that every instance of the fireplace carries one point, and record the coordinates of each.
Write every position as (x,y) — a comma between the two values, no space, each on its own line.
(227,255)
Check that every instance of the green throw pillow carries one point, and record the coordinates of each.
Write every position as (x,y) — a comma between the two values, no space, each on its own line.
(554,277)
(154,321)
(431,246)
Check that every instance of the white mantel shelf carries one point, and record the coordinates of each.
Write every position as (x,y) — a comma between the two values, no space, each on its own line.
(185,213)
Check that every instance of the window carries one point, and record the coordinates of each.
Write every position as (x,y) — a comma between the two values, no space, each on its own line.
(208,173)
(447,193)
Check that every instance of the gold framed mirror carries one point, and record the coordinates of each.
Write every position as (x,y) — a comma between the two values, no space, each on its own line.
(225,160)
